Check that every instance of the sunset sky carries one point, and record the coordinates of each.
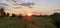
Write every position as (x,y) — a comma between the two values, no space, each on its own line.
(39,7)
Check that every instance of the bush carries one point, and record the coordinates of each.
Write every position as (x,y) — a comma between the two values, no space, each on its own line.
(56,19)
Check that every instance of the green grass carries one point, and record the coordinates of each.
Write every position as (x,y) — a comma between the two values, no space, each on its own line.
(8,22)
(44,22)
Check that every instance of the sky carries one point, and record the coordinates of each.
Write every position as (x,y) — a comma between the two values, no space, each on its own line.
(39,7)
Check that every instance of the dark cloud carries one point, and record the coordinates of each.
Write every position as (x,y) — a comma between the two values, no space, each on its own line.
(3,4)
(27,4)
(14,1)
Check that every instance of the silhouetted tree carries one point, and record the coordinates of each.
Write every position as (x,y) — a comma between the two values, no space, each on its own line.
(1,10)
(7,14)
(13,15)
(2,13)
(56,19)
(20,16)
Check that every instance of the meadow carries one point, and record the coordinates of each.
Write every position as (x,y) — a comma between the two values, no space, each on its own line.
(35,22)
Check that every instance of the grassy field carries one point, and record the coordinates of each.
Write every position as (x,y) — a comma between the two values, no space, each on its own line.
(39,22)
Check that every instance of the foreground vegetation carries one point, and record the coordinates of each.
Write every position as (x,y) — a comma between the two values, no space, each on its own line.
(7,22)
(14,21)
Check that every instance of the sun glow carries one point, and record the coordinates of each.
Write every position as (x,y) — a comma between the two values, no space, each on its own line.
(29,14)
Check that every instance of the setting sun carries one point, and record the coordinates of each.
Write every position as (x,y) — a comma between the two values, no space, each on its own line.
(29,14)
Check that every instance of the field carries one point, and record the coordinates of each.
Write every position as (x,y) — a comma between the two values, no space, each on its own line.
(35,22)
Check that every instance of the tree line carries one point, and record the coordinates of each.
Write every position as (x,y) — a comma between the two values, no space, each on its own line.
(3,14)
